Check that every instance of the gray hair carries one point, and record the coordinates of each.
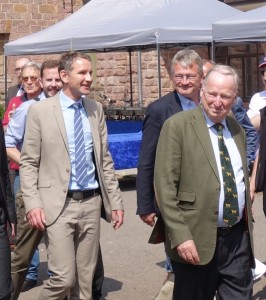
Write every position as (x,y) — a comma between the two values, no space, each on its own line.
(31,64)
(224,70)
(186,58)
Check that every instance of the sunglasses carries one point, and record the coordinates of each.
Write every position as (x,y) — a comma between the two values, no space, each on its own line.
(31,78)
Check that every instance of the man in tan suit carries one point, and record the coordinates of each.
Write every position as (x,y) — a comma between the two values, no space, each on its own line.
(208,253)
(65,195)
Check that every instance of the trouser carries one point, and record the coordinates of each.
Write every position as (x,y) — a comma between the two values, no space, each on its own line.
(72,243)
(229,272)
(27,243)
(28,239)
(5,257)
(32,273)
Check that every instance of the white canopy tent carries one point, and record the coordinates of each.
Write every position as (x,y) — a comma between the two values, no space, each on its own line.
(112,25)
(247,26)
(103,25)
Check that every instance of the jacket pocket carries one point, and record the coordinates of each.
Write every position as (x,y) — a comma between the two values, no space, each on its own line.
(44,183)
(186,200)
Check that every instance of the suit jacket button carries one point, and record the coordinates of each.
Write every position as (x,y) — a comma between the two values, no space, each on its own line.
(67,170)
(218,189)
(216,213)
(64,190)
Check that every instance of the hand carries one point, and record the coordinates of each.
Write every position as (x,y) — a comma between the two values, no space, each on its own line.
(13,230)
(36,218)
(149,219)
(117,218)
(188,252)
(252,195)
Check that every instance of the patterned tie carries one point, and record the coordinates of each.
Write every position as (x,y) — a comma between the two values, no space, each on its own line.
(230,209)
(80,157)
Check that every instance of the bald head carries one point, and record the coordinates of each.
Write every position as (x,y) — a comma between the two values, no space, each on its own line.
(18,66)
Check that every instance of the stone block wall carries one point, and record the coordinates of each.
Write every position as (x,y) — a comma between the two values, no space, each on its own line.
(19,18)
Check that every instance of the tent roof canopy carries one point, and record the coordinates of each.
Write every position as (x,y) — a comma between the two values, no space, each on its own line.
(108,25)
(247,26)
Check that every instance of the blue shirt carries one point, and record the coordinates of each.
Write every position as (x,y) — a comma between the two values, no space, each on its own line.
(16,127)
(186,103)
(68,114)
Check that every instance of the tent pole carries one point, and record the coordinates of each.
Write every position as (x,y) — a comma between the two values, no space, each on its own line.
(213,51)
(5,66)
(140,79)
(159,71)
(130,78)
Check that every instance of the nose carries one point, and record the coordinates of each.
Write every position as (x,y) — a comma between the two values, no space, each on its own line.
(53,83)
(29,80)
(218,101)
(88,77)
(184,79)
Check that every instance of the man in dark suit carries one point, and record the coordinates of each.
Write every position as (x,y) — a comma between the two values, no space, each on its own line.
(186,74)
(7,214)
(188,64)
(202,188)
(17,89)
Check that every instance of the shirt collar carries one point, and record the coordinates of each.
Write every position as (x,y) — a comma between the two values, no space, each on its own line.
(185,100)
(210,123)
(66,101)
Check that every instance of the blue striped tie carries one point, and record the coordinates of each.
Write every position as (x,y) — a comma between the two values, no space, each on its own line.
(80,156)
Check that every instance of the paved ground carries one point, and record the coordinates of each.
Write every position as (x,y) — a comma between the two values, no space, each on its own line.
(134,268)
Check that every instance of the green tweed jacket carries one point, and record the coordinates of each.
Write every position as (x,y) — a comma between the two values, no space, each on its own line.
(187,183)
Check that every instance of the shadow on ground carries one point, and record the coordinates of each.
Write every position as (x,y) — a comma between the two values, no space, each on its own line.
(128,183)
(110,285)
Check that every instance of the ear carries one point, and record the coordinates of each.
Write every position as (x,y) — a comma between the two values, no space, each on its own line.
(64,76)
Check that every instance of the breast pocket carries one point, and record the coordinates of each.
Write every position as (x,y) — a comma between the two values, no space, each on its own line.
(44,184)
(186,200)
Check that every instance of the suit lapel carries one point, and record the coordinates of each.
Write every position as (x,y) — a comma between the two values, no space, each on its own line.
(60,119)
(202,132)
(175,104)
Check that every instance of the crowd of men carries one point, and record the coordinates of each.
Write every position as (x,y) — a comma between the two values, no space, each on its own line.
(198,146)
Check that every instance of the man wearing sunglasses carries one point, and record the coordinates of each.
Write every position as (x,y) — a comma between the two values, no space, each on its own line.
(17,89)
(30,76)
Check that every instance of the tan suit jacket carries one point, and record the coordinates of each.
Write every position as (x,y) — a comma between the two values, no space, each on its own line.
(187,182)
(45,163)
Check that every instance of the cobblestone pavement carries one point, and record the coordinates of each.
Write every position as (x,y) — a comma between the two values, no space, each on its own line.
(134,269)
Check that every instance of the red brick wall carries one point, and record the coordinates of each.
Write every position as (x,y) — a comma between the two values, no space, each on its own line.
(23,17)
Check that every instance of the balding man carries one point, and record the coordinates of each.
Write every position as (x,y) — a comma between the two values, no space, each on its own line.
(17,89)
(202,188)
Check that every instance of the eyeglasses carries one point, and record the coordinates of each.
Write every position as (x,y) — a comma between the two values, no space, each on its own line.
(31,78)
(188,77)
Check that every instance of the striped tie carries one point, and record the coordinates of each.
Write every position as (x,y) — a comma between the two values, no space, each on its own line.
(230,209)
(80,157)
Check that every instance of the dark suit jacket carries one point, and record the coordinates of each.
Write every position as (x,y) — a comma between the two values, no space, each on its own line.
(156,114)
(6,198)
(187,183)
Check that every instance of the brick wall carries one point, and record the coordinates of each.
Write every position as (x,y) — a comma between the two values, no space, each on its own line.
(22,17)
